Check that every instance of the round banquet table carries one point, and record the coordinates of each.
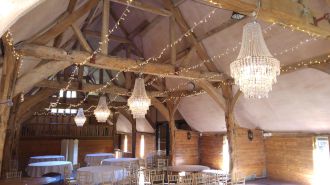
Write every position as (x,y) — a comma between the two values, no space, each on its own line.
(120,161)
(99,172)
(95,159)
(44,158)
(187,168)
(41,168)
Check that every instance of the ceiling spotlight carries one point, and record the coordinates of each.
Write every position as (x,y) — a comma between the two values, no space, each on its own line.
(237,16)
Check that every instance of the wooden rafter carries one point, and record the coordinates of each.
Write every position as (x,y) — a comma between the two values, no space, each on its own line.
(161,108)
(111,37)
(62,25)
(116,63)
(145,7)
(286,12)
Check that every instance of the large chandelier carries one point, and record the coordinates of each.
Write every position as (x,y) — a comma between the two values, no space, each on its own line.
(139,102)
(255,69)
(102,111)
(80,118)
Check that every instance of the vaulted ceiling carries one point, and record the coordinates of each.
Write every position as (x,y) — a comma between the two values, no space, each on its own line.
(299,101)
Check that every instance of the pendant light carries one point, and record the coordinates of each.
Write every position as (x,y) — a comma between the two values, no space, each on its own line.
(102,111)
(139,102)
(80,118)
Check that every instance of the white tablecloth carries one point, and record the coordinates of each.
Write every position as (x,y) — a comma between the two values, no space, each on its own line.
(44,158)
(95,159)
(41,168)
(104,171)
(120,161)
(187,168)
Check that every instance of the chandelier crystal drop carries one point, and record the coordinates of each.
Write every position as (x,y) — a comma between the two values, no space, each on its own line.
(255,69)
(80,118)
(139,102)
(102,111)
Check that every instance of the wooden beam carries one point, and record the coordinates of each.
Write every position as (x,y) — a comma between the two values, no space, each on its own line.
(7,84)
(116,63)
(105,27)
(65,23)
(145,7)
(28,80)
(82,40)
(213,93)
(161,108)
(111,89)
(183,25)
(285,12)
(219,28)
(319,62)
(172,105)
(172,40)
(111,37)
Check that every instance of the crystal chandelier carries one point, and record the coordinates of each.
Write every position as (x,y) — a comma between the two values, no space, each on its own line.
(139,102)
(255,69)
(80,118)
(102,111)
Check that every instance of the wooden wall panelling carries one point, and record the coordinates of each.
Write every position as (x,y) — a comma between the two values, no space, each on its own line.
(149,144)
(186,150)
(210,150)
(93,146)
(290,158)
(36,147)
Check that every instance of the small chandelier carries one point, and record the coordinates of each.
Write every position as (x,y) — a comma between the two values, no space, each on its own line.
(102,111)
(255,69)
(139,102)
(80,118)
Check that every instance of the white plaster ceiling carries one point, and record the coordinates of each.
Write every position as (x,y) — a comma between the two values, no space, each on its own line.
(299,102)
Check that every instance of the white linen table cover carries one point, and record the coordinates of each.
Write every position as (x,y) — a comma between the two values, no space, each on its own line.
(95,159)
(187,168)
(120,161)
(44,158)
(103,171)
(41,168)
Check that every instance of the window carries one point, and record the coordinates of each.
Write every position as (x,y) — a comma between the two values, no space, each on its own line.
(68,94)
(142,147)
(63,111)
(60,111)
(321,161)
(53,110)
(125,143)
(225,155)
(61,93)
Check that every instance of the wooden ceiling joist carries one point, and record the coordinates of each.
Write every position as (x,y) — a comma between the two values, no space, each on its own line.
(116,63)
(63,24)
(285,12)
(145,7)
(111,89)
(111,37)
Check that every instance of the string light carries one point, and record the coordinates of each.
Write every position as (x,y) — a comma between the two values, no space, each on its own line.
(15,54)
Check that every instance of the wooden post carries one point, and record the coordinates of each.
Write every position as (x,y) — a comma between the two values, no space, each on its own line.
(105,26)
(230,125)
(7,84)
(172,106)
(133,137)
(114,134)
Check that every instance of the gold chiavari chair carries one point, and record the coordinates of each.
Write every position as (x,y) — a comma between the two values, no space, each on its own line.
(68,180)
(199,178)
(187,180)
(84,178)
(14,175)
(173,179)
(157,179)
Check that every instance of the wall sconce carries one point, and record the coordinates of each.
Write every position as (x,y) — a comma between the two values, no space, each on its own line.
(188,135)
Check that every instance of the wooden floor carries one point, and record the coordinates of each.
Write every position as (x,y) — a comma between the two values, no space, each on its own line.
(269,182)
